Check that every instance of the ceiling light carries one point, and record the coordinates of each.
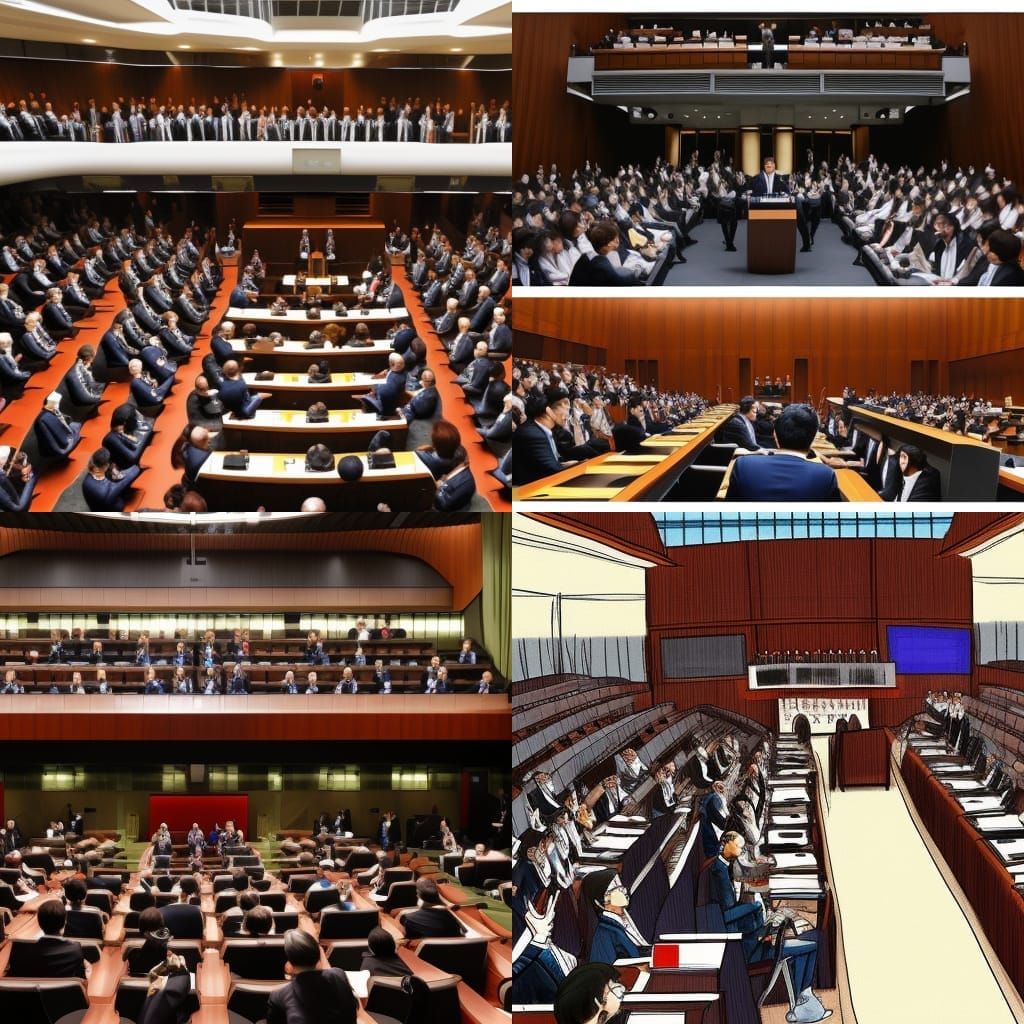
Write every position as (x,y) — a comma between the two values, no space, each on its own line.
(319,63)
(88,40)
(456,49)
(184,46)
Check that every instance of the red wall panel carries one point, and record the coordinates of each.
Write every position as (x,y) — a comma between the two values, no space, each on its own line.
(711,584)
(180,811)
(914,585)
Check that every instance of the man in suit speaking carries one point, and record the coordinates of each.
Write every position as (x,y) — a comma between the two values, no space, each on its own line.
(787,474)
(770,183)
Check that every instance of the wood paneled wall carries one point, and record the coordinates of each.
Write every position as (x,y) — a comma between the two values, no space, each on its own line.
(999,375)
(555,127)
(804,595)
(988,123)
(103,82)
(698,343)
(454,551)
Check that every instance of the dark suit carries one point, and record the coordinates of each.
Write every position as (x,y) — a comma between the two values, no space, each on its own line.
(314,997)
(1009,275)
(456,492)
(760,185)
(431,923)
(108,495)
(532,455)
(599,272)
(390,967)
(171,1005)
(536,975)
(963,245)
(56,437)
(927,487)
(48,957)
(237,398)
(735,432)
(612,942)
(782,478)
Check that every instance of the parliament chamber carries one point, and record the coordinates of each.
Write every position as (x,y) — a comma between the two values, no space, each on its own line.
(203,305)
(768,399)
(803,149)
(255,766)
(766,766)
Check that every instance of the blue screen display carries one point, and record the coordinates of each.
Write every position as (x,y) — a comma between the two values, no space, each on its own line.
(924,650)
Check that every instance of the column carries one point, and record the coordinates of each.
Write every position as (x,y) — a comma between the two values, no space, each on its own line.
(750,150)
(784,150)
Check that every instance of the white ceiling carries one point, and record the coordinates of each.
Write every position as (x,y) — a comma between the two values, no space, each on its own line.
(474,27)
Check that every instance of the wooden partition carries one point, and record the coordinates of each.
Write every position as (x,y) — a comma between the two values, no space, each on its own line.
(700,344)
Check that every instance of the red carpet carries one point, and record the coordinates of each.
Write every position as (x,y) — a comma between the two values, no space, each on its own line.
(21,413)
(159,474)
(456,409)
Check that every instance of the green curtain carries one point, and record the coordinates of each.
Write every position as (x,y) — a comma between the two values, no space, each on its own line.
(496,528)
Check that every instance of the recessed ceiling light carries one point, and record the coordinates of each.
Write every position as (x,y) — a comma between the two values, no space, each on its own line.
(88,40)
(184,46)
(456,49)
(319,63)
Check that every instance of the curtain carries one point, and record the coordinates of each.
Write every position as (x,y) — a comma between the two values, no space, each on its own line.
(496,529)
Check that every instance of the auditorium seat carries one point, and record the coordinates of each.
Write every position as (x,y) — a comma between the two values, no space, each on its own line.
(43,1000)
(247,1001)
(346,953)
(256,959)
(400,895)
(300,883)
(348,924)
(318,899)
(190,950)
(131,996)
(466,957)
(284,920)
(413,1000)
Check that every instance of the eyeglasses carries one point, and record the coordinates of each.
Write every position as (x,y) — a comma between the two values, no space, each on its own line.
(616,989)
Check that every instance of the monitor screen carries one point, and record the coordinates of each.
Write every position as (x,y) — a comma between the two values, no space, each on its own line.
(923,650)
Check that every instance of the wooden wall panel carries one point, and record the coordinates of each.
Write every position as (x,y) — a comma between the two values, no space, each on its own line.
(454,551)
(711,585)
(914,585)
(93,718)
(998,375)
(988,123)
(555,127)
(282,86)
(699,342)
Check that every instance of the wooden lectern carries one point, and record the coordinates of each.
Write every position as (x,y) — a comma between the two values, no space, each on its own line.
(317,265)
(771,240)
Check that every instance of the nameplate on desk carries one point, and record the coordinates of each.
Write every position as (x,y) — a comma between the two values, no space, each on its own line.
(316,161)
(687,956)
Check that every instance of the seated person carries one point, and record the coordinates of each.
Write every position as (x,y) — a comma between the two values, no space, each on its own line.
(57,434)
(51,955)
(153,951)
(384,401)
(104,486)
(534,453)
(616,935)
(456,488)
(431,919)
(312,996)
(749,919)
(381,957)
(788,473)
(590,993)
(916,479)
(235,394)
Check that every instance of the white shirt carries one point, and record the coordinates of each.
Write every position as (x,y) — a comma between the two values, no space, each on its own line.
(947,265)
(908,486)
(986,279)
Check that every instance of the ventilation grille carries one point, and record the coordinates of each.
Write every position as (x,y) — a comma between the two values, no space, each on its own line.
(755,83)
(885,84)
(650,84)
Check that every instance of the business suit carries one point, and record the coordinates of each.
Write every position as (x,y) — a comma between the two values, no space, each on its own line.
(748,919)
(57,435)
(462,349)
(431,923)
(170,1005)
(236,398)
(50,956)
(739,430)
(108,495)
(1008,275)
(533,454)
(782,477)
(963,246)
(314,997)
(927,487)
(712,816)
(388,395)
(599,272)
(611,941)
(13,500)
(456,492)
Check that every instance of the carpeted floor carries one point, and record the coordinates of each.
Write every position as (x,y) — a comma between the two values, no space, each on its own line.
(828,264)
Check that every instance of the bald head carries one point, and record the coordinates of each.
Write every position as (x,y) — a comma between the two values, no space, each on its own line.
(199,437)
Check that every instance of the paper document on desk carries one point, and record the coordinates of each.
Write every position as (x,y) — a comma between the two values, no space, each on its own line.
(687,956)
(790,794)
(634,832)
(788,861)
(628,819)
(783,885)
(613,843)
(359,981)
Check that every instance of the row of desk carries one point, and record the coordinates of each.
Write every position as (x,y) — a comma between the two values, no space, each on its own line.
(685,56)
(650,476)
(983,846)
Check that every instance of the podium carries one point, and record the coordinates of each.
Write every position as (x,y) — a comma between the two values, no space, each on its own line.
(771,237)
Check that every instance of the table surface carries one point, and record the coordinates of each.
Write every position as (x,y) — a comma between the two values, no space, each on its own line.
(256,315)
(317,282)
(300,382)
(275,468)
(337,419)
(294,346)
